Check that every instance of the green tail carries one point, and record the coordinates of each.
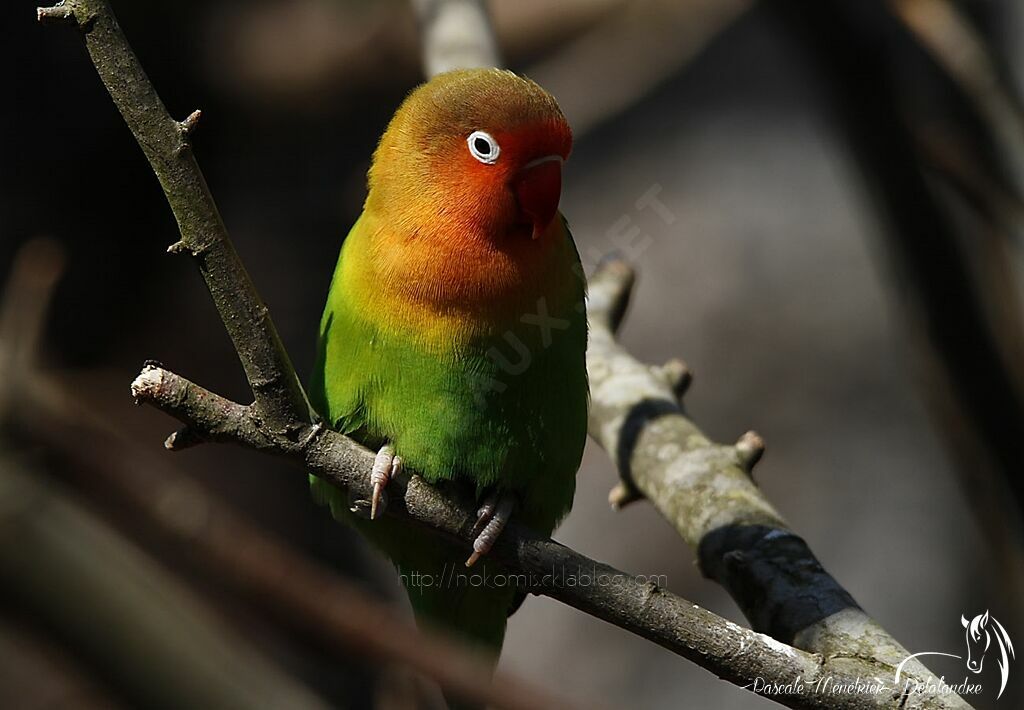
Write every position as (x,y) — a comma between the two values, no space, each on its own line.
(472,604)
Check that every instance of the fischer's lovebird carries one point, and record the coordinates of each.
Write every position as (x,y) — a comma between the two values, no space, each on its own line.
(455,332)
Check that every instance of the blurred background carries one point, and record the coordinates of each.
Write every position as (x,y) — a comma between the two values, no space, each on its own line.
(840,268)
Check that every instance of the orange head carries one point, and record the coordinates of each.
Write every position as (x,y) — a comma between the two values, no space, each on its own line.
(473,154)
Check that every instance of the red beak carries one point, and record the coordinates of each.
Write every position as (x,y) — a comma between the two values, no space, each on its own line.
(538,187)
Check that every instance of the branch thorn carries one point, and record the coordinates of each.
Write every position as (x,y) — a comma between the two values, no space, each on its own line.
(59,13)
(622,495)
(750,449)
(677,374)
(609,290)
(185,129)
(184,438)
(189,124)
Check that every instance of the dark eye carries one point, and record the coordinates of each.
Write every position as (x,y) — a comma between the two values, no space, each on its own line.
(483,147)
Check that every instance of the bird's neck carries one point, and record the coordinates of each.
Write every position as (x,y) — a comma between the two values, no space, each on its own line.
(449,286)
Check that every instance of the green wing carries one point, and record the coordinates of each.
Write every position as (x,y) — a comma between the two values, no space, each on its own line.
(469,418)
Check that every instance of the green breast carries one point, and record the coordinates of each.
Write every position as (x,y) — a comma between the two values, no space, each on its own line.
(505,411)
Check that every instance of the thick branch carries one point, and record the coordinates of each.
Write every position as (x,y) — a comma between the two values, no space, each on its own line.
(705,491)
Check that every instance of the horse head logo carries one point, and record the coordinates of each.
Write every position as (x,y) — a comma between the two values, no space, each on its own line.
(980,632)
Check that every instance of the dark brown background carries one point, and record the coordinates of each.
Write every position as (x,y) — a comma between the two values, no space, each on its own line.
(771,283)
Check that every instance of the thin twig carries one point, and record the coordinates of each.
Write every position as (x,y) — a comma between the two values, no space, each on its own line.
(165,142)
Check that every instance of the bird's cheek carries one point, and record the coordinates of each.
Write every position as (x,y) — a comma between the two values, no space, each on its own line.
(538,188)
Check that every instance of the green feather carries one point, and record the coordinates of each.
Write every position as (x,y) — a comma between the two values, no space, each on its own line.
(464,418)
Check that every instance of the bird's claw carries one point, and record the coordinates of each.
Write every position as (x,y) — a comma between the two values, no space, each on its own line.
(385,467)
(492,517)
(484,514)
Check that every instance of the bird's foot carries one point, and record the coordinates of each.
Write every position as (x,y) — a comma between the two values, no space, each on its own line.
(493,515)
(385,467)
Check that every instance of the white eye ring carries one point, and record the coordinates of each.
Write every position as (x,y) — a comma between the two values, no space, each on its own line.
(483,147)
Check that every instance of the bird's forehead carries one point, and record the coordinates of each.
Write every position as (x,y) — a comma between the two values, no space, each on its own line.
(461,102)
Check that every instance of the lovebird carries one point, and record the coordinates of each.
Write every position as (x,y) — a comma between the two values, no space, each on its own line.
(453,340)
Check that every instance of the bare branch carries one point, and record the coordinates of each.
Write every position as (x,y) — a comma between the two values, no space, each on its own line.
(302,594)
(456,34)
(948,256)
(305,594)
(279,396)
(705,491)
